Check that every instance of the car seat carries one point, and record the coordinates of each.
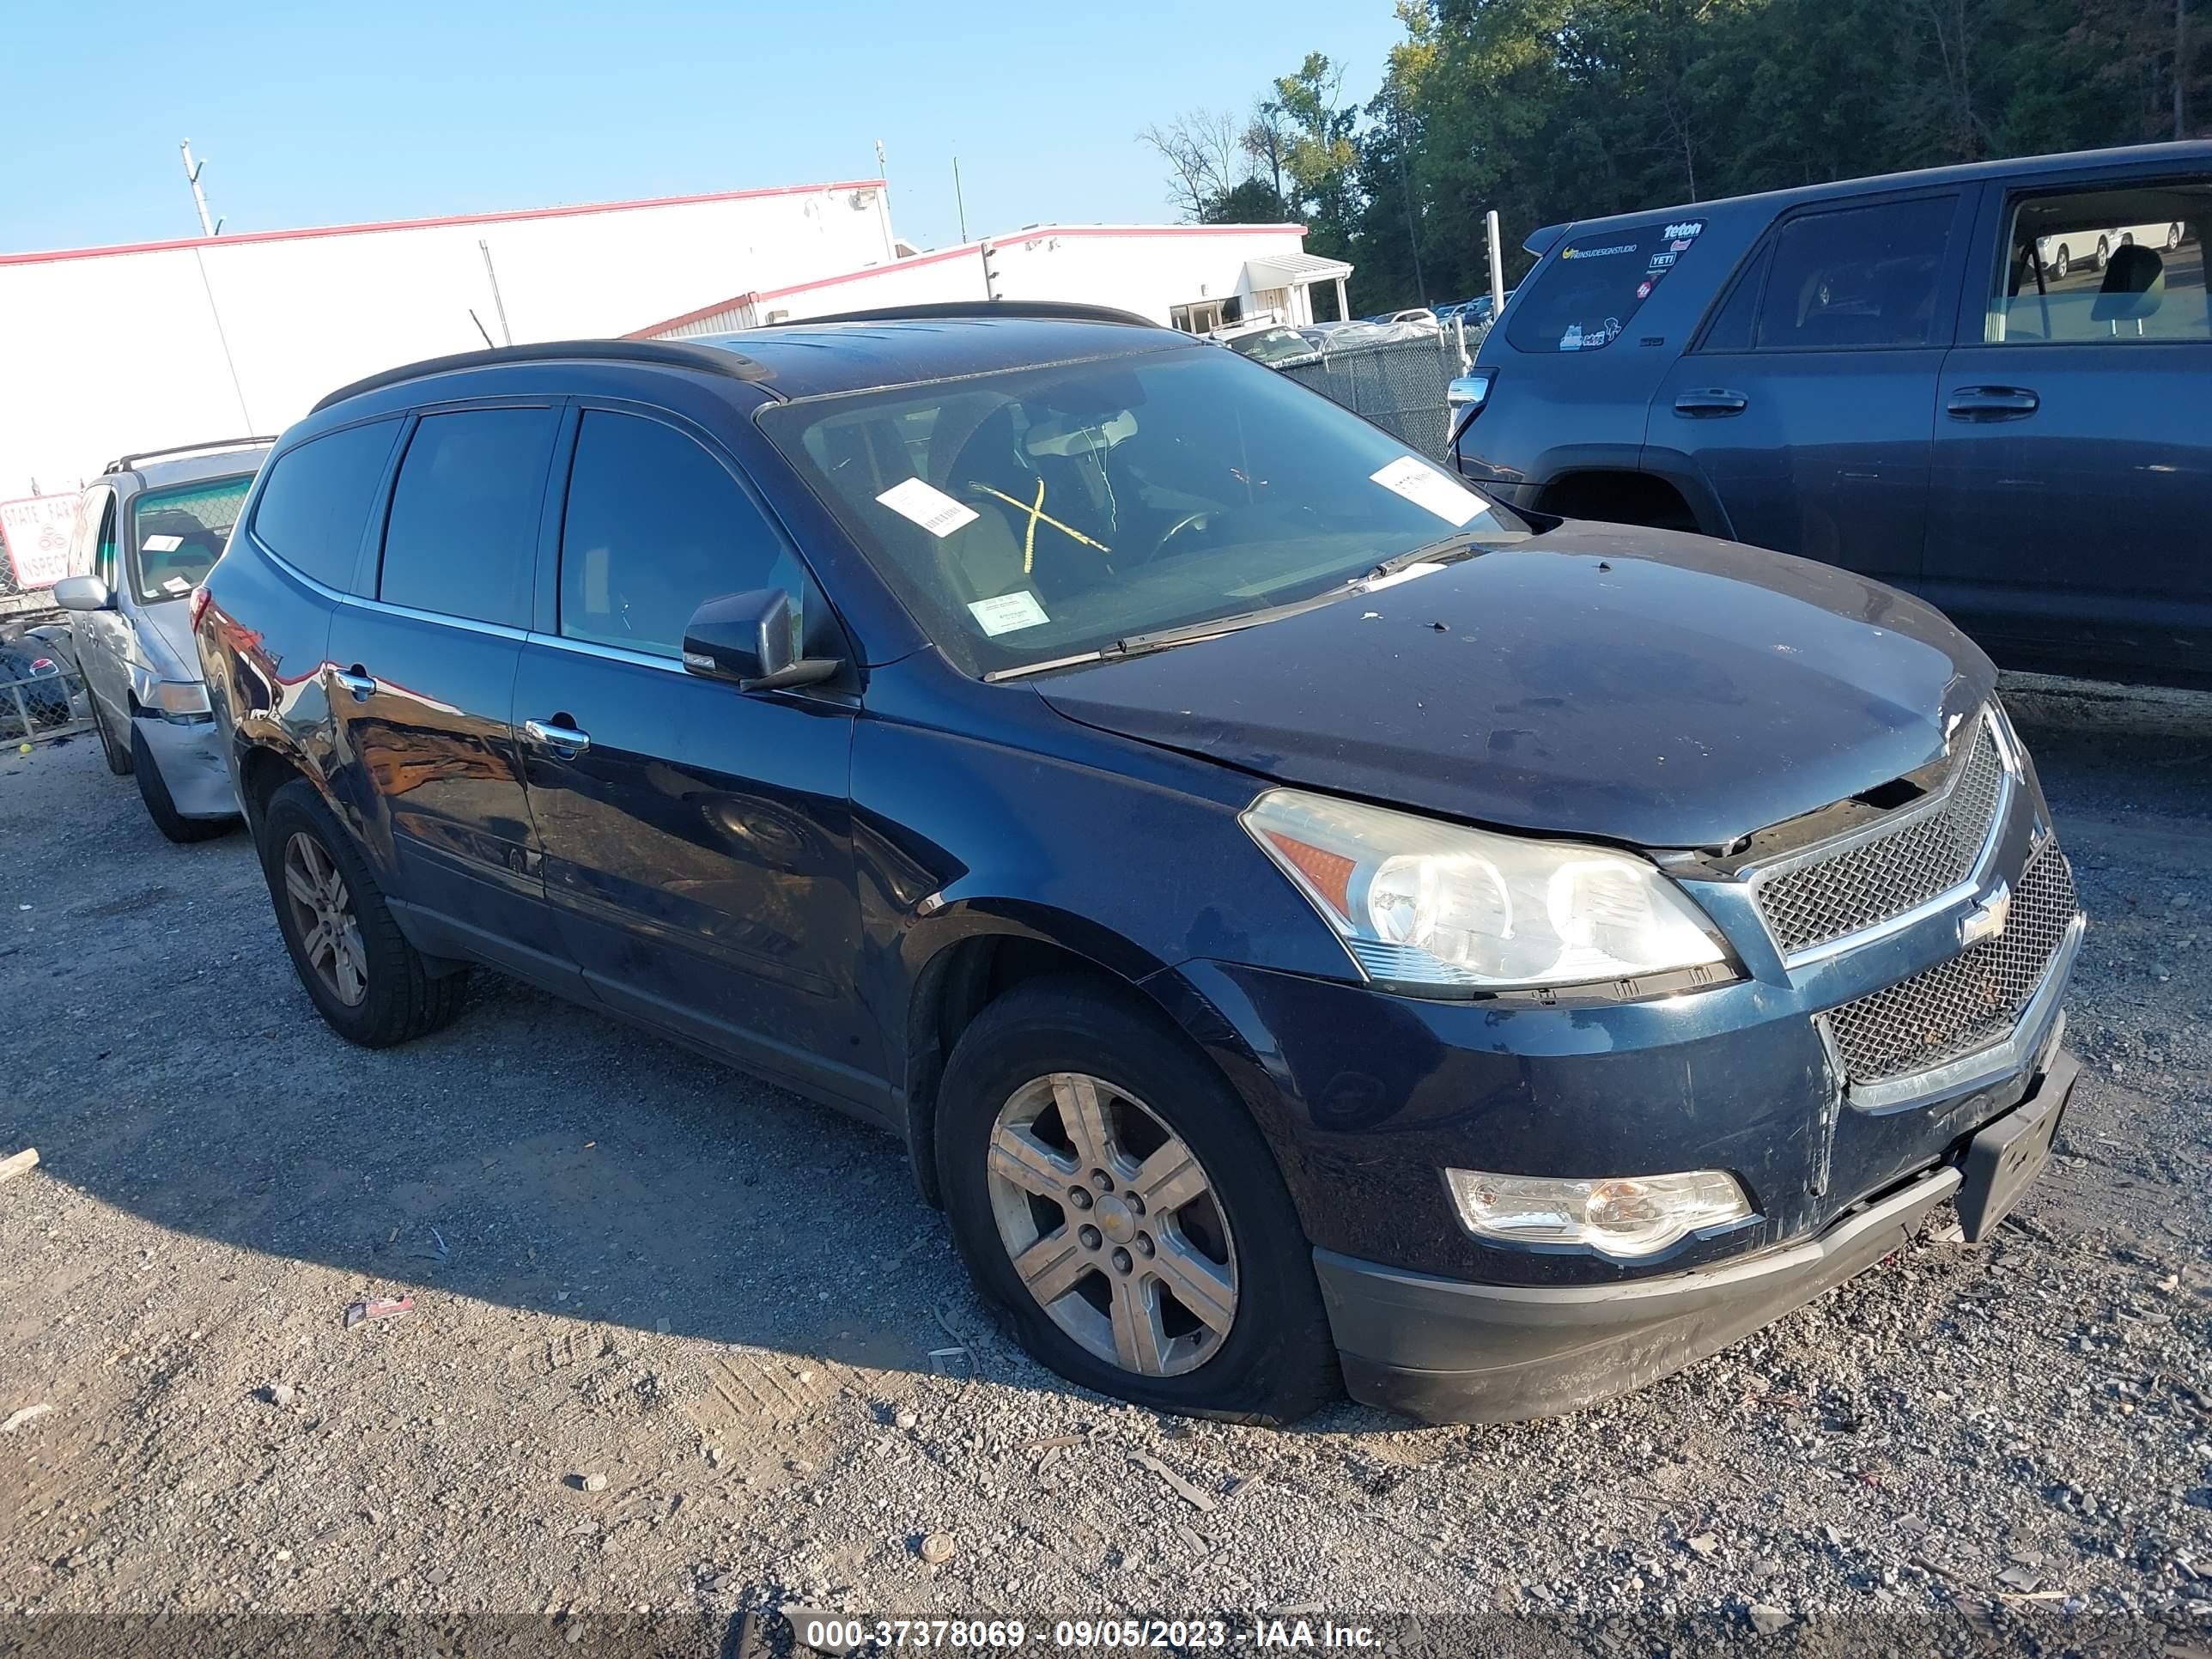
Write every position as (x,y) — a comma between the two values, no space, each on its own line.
(2134,287)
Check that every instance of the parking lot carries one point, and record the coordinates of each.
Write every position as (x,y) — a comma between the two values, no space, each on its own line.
(679,1343)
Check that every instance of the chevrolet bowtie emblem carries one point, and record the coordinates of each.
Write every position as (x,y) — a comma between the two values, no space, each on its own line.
(1986,920)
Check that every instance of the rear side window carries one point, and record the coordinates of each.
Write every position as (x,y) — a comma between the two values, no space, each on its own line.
(318,499)
(1582,300)
(1857,277)
(655,527)
(2105,267)
(462,539)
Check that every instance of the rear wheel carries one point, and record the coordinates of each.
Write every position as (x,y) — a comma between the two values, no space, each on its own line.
(1107,1189)
(2062,264)
(159,806)
(368,981)
(2172,237)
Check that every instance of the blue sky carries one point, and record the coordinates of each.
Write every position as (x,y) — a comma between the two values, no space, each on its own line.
(313,113)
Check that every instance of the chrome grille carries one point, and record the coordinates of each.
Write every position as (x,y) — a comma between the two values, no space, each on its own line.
(1929,850)
(1970,1002)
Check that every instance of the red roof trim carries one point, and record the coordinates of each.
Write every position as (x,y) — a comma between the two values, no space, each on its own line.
(938,256)
(508,216)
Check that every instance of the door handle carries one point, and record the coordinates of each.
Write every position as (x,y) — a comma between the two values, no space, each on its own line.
(362,685)
(564,740)
(1711,400)
(1991,403)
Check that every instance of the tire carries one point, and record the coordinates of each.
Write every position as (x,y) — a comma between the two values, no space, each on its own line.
(2062,264)
(2103,252)
(2172,237)
(1275,1361)
(117,757)
(160,807)
(399,998)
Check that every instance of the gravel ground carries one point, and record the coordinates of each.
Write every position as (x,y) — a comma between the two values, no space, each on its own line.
(681,1345)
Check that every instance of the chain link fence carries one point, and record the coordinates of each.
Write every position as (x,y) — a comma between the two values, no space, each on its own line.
(1399,384)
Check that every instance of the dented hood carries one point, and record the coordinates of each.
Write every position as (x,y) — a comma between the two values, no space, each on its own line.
(1605,682)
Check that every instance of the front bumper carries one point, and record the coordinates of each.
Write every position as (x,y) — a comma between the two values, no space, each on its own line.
(191,760)
(1448,1351)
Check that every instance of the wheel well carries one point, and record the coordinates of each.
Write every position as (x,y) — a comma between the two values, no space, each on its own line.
(1617,498)
(265,772)
(959,984)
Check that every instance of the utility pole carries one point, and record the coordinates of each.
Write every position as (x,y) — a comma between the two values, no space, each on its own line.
(208,227)
(882,171)
(2180,68)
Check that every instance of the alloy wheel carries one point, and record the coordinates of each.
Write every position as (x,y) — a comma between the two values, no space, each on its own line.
(1113,1225)
(322,911)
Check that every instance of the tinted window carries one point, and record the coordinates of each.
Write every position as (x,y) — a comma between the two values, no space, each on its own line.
(462,539)
(1732,328)
(318,499)
(654,527)
(2105,267)
(1862,277)
(180,533)
(1583,296)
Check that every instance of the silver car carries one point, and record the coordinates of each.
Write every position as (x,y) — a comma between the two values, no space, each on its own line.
(151,526)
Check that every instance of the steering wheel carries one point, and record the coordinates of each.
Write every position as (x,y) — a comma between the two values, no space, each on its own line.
(1189,523)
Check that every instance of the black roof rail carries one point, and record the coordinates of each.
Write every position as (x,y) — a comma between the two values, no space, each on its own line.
(1042,310)
(129,463)
(712,360)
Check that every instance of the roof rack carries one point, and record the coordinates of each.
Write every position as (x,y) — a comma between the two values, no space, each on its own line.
(712,360)
(129,463)
(1052,310)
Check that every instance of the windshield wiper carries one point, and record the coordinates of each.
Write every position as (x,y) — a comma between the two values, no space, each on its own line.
(1448,550)
(1166,639)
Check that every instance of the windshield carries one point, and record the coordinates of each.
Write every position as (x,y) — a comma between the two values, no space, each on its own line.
(179,533)
(1040,513)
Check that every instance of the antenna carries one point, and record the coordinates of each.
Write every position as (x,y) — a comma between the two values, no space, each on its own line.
(882,172)
(208,227)
(960,201)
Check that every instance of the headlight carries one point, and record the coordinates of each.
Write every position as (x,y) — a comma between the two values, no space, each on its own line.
(1440,910)
(1621,1215)
(177,700)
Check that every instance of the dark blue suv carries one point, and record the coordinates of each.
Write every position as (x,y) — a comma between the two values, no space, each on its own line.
(1990,386)
(1307,923)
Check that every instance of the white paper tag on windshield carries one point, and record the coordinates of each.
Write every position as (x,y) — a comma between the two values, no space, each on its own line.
(161,544)
(176,584)
(930,508)
(1423,485)
(1009,612)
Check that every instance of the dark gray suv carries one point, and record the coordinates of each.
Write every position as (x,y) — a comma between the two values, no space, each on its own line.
(1990,386)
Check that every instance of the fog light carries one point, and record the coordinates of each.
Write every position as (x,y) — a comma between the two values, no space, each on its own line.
(1620,1215)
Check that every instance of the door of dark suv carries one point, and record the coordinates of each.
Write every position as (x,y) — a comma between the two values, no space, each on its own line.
(2071,510)
(697,844)
(421,676)
(1808,401)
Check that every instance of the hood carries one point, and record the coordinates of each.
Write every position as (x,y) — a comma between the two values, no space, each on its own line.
(1610,682)
(165,639)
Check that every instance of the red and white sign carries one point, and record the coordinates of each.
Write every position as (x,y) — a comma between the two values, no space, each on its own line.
(36,531)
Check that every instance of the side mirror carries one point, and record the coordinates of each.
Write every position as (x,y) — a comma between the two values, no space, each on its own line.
(753,638)
(83,594)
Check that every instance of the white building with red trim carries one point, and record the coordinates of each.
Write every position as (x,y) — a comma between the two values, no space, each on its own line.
(1196,277)
(109,349)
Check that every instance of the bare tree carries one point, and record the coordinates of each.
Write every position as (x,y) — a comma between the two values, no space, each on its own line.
(1264,141)
(1205,156)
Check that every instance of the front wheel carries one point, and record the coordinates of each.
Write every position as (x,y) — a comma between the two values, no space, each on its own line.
(160,807)
(1108,1188)
(2062,264)
(2172,237)
(368,981)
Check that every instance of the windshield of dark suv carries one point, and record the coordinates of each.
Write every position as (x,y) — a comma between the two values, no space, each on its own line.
(1039,514)
(178,532)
